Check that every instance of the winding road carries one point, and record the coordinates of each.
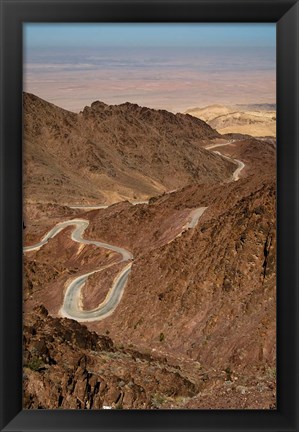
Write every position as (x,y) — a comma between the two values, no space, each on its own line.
(72,305)
(102,206)
(240,164)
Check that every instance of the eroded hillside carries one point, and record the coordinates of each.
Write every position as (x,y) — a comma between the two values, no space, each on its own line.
(195,326)
(106,154)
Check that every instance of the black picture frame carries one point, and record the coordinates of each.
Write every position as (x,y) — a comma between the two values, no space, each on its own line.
(13,13)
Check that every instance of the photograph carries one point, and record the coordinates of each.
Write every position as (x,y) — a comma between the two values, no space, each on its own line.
(149,216)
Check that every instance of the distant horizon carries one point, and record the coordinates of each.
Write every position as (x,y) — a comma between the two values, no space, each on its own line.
(259,103)
(162,66)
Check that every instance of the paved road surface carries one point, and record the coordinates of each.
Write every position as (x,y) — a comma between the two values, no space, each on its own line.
(71,304)
(240,164)
(96,207)
(71,307)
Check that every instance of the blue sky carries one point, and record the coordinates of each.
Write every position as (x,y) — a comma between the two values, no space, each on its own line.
(56,35)
(170,66)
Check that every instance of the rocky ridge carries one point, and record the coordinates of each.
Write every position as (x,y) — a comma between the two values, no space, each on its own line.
(110,153)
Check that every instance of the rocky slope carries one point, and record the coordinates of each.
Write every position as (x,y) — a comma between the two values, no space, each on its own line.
(208,296)
(259,156)
(110,153)
(196,325)
(68,367)
(199,290)
(205,302)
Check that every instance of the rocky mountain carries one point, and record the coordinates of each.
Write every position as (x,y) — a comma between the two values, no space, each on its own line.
(201,287)
(196,324)
(107,154)
(205,302)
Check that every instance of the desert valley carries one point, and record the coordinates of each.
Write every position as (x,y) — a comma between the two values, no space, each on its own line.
(149,257)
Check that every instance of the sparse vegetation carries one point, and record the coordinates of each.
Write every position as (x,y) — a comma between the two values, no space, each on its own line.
(35,364)
(228,372)
(119,405)
(271,373)
(140,321)
(158,399)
